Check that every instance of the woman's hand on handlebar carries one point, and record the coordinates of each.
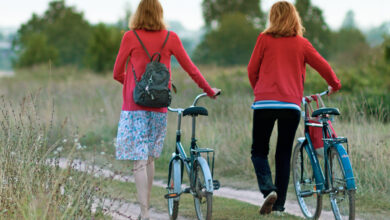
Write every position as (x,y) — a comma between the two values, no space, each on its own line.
(330,90)
(216,93)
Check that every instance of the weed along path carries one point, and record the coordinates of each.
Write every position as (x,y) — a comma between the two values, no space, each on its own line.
(119,210)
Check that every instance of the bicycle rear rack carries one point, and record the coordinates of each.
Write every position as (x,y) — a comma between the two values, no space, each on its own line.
(210,161)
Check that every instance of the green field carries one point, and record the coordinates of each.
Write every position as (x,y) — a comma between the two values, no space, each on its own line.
(78,111)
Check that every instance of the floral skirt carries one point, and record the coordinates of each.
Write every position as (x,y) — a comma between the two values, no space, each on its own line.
(140,135)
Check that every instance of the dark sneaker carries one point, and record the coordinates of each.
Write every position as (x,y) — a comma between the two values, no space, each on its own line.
(269,201)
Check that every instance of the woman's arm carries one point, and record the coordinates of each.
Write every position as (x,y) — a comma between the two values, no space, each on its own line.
(315,60)
(185,62)
(255,61)
(123,54)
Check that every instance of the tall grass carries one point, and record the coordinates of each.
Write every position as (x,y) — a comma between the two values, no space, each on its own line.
(90,106)
(32,186)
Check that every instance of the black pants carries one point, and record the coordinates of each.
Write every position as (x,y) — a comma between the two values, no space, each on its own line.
(263,123)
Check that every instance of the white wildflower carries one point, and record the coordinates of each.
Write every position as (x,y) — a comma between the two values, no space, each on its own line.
(62,190)
(13,153)
(60,148)
(102,153)
(78,146)
(64,141)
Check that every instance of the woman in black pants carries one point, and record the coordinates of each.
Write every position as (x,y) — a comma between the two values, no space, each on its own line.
(277,72)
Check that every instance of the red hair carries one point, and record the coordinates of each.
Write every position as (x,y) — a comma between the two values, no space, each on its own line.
(284,20)
(149,16)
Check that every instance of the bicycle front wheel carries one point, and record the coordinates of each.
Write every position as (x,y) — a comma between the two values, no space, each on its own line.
(342,200)
(174,186)
(309,200)
(203,200)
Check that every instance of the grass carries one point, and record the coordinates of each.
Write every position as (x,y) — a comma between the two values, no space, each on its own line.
(27,176)
(222,208)
(83,106)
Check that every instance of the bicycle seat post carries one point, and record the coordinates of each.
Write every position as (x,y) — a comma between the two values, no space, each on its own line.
(193,140)
(178,132)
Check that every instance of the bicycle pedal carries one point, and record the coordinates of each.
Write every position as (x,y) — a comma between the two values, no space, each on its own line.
(171,195)
(216,184)
(306,193)
(187,190)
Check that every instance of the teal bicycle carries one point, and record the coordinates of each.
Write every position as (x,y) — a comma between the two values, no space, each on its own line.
(201,182)
(337,179)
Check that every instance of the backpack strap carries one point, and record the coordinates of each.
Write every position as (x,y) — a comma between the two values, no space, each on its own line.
(150,57)
(147,52)
(142,44)
(165,42)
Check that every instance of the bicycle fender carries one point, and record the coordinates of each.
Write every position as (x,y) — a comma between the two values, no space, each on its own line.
(206,170)
(173,160)
(350,179)
(301,140)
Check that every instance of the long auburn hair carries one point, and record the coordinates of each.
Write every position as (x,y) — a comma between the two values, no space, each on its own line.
(149,16)
(284,20)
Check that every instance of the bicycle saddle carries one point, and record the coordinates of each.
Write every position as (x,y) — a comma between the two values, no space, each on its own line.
(325,111)
(195,111)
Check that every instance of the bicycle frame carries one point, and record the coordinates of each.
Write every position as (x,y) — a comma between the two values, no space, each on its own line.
(195,151)
(323,182)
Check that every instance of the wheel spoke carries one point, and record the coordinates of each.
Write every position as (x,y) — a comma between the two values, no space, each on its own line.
(304,183)
(342,200)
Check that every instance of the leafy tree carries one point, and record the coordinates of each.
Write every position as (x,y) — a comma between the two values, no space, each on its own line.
(67,31)
(102,47)
(349,20)
(64,29)
(231,43)
(317,31)
(348,45)
(375,35)
(123,22)
(214,10)
(37,51)
(386,48)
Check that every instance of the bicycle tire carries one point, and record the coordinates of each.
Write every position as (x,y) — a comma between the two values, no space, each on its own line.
(203,200)
(174,186)
(343,200)
(311,204)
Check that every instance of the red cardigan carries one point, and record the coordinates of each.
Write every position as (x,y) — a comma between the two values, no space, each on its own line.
(153,40)
(277,68)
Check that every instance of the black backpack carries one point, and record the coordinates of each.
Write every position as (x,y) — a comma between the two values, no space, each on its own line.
(152,90)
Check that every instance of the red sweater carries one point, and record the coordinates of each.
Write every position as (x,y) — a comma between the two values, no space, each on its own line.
(277,68)
(153,41)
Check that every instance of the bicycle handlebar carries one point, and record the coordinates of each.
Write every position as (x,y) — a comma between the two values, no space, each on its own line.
(313,97)
(193,104)
(175,109)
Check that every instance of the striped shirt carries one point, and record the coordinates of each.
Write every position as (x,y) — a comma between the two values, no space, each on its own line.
(272,104)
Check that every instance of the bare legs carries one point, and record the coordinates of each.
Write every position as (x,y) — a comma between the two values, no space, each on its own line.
(143,175)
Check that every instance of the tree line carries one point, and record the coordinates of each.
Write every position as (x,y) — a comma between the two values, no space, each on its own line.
(62,36)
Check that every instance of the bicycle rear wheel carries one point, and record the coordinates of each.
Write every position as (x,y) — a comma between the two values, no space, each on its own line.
(304,183)
(342,200)
(203,200)
(174,186)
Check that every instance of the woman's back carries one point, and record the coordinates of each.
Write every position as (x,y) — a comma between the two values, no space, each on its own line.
(277,69)
(153,41)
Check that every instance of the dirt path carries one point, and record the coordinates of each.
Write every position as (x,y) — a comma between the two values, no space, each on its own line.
(120,210)
(6,73)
